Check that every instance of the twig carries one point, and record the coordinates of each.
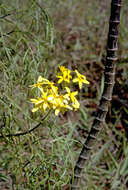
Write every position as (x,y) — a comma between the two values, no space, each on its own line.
(26,132)
(5,15)
(12,31)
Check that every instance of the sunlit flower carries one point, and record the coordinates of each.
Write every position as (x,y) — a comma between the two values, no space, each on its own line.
(53,88)
(40,82)
(46,98)
(71,95)
(62,68)
(76,104)
(80,79)
(42,103)
(65,75)
(51,98)
(60,104)
(38,103)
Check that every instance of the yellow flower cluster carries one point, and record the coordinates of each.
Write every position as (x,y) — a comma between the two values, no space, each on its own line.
(51,98)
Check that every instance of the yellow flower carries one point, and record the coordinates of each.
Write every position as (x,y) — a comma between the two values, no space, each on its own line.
(40,82)
(50,98)
(65,75)
(53,88)
(60,104)
(80,79)
(46,100)
(42,103)
(38,104)
(76,105)
(72,95)
(62,68)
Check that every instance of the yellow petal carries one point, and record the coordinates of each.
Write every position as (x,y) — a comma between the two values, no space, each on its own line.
(58,76)
(86,82)
(75,93)
(66,96)
(41,89)
(50,98)
(57,111)
(75,80)
(65,101)
(33,100)
(77,73)
(40,79)
(80,85)
(35,109)
(39,102)
(76,106)
(45,105)
(68,107)
(67,89)
(60,80)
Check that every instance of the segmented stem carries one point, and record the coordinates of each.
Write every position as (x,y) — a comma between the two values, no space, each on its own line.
(109,75)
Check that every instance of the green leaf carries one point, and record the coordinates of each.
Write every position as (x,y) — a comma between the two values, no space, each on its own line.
(3,177)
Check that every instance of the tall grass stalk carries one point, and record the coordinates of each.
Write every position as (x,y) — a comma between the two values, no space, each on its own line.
(106,97)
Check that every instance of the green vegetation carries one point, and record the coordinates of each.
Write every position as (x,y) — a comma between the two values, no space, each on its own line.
(36,38)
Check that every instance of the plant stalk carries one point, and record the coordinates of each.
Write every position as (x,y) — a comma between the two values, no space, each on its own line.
(109,75)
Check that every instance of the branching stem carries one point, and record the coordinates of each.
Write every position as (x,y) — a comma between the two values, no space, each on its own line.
(26,132)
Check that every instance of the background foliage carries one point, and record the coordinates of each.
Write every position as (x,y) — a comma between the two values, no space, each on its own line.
(35,38)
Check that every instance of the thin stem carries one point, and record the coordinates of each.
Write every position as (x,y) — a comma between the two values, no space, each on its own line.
(26,132)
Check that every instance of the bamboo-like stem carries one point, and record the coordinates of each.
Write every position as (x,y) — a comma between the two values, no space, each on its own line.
(109,75)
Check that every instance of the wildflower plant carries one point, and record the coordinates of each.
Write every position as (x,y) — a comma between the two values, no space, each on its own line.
(60,97)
